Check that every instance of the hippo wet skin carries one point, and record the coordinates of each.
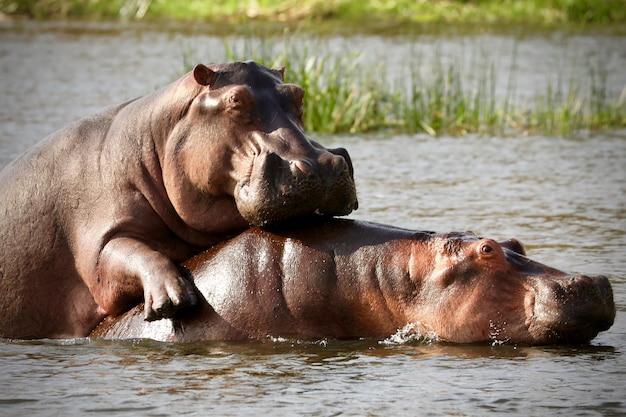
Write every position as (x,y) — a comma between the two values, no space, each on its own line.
(96,216)
(346,279)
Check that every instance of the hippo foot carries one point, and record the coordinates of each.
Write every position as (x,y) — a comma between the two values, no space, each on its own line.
(171,301)
(130,267)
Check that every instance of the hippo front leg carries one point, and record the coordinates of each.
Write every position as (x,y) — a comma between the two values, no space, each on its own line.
(128,269)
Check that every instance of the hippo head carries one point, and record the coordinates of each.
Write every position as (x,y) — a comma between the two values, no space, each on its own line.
(242,136)
(487,290)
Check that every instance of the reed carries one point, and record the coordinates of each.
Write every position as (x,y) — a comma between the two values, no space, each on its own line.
(342,95)
(444,103)
(346,95)
(566,110)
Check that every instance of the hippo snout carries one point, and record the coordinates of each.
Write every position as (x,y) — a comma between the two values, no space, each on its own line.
(572,309)
(280,189)
(601,294)
(596,289)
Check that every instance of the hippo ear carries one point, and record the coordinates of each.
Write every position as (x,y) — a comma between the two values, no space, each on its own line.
(514,245)
(281,70)
(203,74)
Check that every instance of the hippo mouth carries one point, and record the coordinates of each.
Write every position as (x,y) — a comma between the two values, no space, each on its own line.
(277,190)
(572,310)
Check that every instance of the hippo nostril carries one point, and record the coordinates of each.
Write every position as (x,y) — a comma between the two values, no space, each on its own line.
(604,286)
(340,163)
(582,279)
(302,166)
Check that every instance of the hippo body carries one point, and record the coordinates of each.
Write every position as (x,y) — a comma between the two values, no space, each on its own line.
(97,215)
(347,279)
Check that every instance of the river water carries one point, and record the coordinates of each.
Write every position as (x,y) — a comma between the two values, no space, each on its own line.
(564,198)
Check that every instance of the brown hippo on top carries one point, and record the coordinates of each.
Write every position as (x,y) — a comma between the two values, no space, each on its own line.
(95,217)
(344,279)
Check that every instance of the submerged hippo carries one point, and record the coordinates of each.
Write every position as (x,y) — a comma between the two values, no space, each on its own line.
(97,215)
(343,279)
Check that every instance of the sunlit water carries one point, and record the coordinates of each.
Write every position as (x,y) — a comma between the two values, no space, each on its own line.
(564,198)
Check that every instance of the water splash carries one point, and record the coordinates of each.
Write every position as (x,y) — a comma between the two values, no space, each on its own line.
(282,340)
(412,332)
(494,333)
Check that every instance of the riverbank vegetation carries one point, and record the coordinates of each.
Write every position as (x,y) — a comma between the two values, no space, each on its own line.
(362,13)
(347,94)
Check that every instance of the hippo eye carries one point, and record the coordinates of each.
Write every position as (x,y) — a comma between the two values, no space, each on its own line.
(240,104)
(240,97)
(486,248)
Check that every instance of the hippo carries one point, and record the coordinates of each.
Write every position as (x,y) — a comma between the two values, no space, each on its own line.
(343,278)
(97,216)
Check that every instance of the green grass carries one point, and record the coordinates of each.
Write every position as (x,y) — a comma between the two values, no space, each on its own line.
(346,95)
(563,111)
(442,102)
(342,95)
(536,12)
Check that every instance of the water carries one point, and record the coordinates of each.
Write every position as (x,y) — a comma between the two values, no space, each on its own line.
(564,198)
(339,378)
